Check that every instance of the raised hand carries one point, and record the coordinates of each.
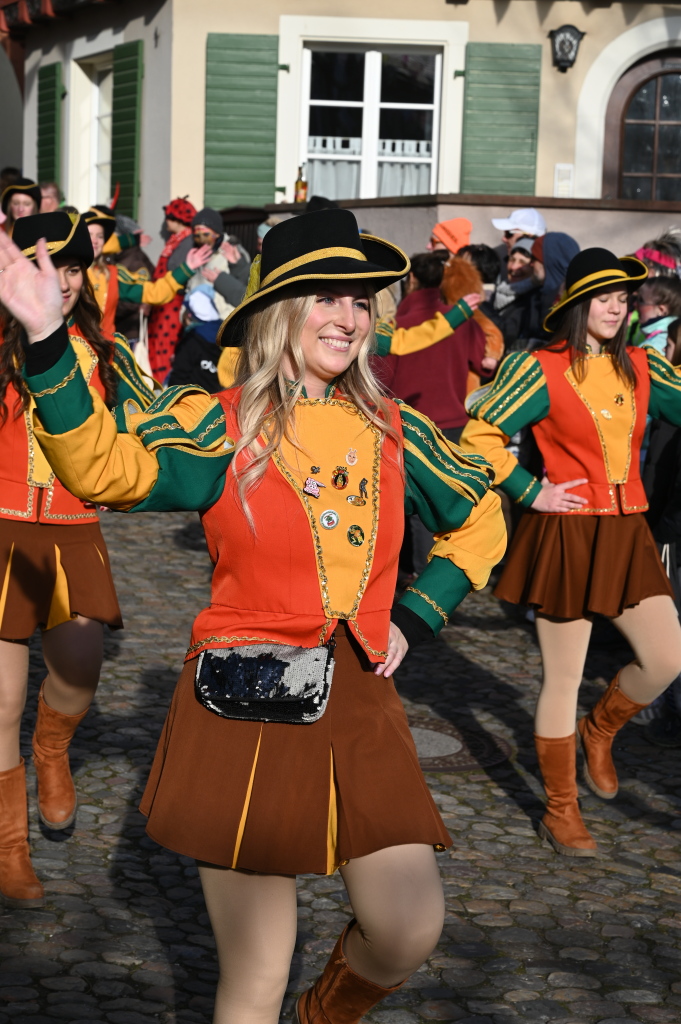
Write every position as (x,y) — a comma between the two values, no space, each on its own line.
(472,300)
(555,497)
(30,293)
(197,257)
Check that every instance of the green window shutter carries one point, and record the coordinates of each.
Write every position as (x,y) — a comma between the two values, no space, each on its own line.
(128,71)
(49,122)
(241,119)
(501,114)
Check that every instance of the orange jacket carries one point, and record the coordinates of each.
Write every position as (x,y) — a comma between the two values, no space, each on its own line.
(595,431)
(29,490)
(267,584)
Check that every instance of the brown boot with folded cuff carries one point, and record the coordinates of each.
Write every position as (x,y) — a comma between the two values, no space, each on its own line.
(19,886)
(56,792)
(562,823)
(339,996)
(597,730)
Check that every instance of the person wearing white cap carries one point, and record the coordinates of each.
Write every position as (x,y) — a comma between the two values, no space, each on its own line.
(521,222)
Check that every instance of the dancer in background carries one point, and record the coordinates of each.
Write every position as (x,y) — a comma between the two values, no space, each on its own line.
(54,567)
(20,199)
(302,473)
(112,282)
(584,547)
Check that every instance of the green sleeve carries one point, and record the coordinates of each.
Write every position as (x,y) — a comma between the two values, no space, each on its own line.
(384,334)
(516,398)
(126,240)
(443,482)
(61,395)
(436,592)
(458,314)
(182,274)
(521,487)
(665,388)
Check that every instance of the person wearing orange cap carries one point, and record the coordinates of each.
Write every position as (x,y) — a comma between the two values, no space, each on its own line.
(451,235)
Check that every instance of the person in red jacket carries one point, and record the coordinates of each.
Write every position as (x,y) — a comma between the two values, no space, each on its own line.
(583,547)
(54,567)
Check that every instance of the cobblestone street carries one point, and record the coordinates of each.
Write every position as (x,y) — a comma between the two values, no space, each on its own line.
(529,936)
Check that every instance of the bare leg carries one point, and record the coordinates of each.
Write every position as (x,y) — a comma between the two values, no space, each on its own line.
(13,685)
(396,895)
(563,648)
(73,654)
(652,628)
(254,920)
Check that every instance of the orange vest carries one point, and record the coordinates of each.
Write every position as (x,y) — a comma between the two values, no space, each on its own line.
(29,490)
(268,586)
(108,302)
(594,430)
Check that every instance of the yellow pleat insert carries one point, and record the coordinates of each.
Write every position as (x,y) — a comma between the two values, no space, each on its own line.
(60,608)
(247,801)
(332,828)
(5,584)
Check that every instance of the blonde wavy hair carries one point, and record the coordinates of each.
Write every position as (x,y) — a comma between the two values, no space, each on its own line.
(266,411)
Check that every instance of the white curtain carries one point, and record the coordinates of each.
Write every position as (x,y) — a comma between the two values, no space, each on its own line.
(335,179)
(403,179)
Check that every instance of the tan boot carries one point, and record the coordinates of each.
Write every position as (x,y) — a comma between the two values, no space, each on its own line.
(339,996)
(56,792)
(19,886)
(562,823)
(596,732)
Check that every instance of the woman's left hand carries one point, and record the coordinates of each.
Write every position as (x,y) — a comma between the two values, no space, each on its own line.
(30,293)
(397,648)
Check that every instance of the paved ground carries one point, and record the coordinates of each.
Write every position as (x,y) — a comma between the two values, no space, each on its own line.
(529,936)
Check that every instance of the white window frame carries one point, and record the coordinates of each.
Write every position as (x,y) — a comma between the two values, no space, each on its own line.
(371,106)
(449,37)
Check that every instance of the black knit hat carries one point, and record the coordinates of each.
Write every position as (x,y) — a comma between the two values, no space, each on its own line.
(321,246)
(24,187)
(66,234)
(209,218)
(104,216)
(592,271)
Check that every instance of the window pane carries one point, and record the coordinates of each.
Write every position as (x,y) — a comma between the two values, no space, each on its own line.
(668,188)
(642,106)
(406,124)
(403,179)
(669,149)
(638,148)
(407,78)
(345,121)
(335,179)
(670,98)
(637,188)
(337,76)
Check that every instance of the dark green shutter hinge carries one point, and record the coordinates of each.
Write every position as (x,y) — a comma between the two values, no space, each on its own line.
(280,188)
(459,73)
(283,67)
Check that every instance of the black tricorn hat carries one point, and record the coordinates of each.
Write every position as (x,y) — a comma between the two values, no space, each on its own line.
(592,271)
(321,246)
(101,215)
(24,187)
(66,235)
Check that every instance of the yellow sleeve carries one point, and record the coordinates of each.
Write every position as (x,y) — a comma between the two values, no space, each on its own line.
(406,340)
(174,456)
(98,464)
(479,544)
(156,293)
(489,441)
(227,366)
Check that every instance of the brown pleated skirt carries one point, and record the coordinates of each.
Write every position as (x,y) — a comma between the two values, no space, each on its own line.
(50,573)
(292,799)
(575,567)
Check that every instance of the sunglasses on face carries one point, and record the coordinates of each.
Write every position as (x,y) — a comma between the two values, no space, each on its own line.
(510,234)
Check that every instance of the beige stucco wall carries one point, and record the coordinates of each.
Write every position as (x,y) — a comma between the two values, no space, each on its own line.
(518,21)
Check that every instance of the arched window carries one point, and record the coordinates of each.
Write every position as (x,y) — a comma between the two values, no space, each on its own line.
(642,158)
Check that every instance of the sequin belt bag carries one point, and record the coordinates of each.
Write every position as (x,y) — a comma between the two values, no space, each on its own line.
(266,682)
